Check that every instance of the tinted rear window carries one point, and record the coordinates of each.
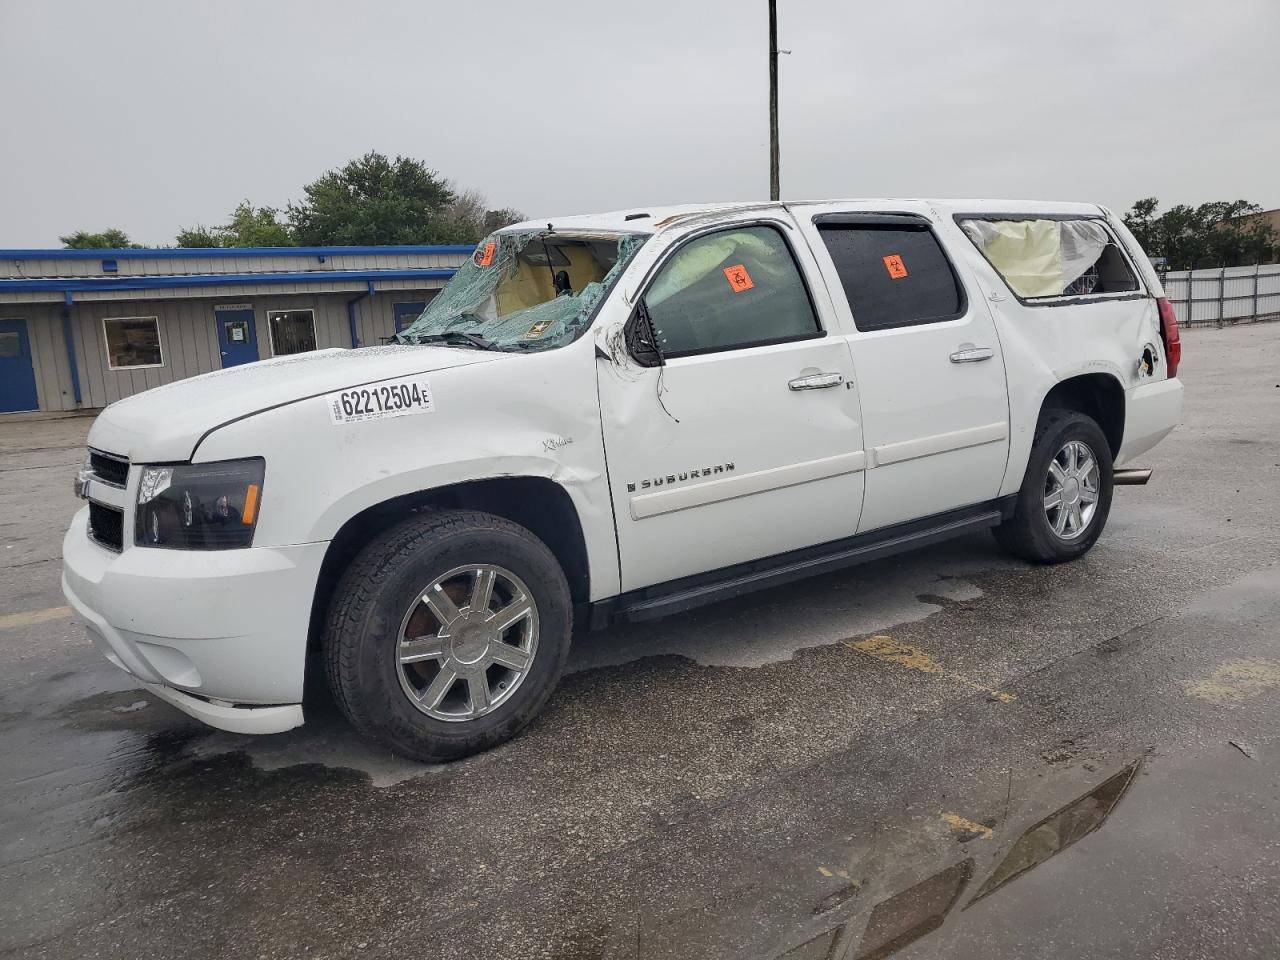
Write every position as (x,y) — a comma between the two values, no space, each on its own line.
(894,276)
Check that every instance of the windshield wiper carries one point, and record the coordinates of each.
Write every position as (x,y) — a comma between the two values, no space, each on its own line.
(473,339)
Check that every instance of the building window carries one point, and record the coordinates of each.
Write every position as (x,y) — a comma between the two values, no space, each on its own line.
(292,331)
(133,342)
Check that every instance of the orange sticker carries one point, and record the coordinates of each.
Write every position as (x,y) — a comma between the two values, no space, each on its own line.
(897,269)
(485,258)
(739,279)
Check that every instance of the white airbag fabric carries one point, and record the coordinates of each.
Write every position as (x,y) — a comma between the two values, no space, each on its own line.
(1039,258)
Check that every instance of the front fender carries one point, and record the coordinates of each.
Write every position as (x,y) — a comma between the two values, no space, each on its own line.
(577,482)
(538,418)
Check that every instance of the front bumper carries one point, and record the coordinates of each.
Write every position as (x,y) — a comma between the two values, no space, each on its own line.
(222,635)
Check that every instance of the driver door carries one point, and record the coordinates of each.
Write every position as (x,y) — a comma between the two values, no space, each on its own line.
(747,441)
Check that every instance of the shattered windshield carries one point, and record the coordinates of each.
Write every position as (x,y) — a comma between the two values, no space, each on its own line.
(525,291)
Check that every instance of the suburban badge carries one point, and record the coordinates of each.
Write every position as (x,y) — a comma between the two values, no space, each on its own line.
(694,474)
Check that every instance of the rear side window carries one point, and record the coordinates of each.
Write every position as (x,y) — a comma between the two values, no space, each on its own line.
(894,275)
(728,290)
(1053,258)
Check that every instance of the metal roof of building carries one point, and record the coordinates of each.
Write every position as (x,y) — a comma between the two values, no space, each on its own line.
(40,273)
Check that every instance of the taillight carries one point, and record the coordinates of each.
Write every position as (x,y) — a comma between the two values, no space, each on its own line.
(1169,334)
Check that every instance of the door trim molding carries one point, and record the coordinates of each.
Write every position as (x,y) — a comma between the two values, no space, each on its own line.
(888,453)
(745,484)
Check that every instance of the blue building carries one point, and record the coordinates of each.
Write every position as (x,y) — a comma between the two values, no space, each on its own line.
(82,328)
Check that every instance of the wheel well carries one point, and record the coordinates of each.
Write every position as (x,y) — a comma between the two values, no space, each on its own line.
(539,505)
(1097,395)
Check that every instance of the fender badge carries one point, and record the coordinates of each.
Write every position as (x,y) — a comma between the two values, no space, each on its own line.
(694,474)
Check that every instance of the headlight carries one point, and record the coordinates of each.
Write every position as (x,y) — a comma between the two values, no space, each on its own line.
(199,506)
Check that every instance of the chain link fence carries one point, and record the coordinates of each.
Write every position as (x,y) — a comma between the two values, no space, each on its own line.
(1224,295)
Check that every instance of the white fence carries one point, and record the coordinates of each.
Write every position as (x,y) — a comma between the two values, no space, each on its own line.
(1228,294)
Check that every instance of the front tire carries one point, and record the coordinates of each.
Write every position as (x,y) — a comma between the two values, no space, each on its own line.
(447,634)
(1066,493)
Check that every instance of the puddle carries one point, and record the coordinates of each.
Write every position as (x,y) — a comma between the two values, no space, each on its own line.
(771,627)
(900,919)
(326,741)
(129,709)
(1097,874)
(1059,830)
(919,910)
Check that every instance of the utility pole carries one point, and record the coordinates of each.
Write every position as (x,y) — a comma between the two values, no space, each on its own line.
(774,184)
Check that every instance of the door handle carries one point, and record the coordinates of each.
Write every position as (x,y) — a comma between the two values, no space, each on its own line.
(972,355)
(817,381)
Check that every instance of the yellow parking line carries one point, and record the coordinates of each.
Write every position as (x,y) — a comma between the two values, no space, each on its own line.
(913,658)
(1235,681)
(31,617)
(969,826)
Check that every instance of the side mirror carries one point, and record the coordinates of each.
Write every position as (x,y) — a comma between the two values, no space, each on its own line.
(641,339)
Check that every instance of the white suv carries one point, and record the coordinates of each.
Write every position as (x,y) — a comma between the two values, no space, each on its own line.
(608,418)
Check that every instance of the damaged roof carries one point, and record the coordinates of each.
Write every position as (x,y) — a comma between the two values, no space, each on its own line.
(652,219)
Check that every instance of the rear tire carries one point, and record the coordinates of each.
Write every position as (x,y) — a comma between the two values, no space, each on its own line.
(1066,493)
(447,634)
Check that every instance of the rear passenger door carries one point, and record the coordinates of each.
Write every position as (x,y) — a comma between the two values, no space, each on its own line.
(929,367)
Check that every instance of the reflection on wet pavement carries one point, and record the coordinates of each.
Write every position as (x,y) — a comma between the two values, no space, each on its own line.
(906,916)
(1059,830)
(916,911)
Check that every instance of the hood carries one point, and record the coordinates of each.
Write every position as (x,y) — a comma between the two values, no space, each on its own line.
(164,424)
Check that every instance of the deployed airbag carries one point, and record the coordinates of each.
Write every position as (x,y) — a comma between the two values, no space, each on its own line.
(1039,258)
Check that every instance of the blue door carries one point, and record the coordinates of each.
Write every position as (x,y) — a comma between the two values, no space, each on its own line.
(17,372)
(406,313)
(237,336)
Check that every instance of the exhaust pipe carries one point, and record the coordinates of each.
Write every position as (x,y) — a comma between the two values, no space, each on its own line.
(1135,477)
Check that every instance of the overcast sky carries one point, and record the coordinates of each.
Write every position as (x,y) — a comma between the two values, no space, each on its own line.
(149,116)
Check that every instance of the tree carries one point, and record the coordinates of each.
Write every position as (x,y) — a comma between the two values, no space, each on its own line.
(471,218)
(497,219)
(1241,236)
(250,226)
(199,236)
(112,238)
(1221,233)
(373,200)
(1141,221)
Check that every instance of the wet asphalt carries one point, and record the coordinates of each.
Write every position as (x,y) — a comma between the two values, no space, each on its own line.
(947,754)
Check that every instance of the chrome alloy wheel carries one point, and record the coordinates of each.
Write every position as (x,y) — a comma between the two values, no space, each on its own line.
(1071,490)
(467,642)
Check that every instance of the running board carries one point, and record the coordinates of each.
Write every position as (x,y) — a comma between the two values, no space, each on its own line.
(677,596)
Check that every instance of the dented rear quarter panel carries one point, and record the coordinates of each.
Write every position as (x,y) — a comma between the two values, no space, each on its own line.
(1047,343)
(505,418)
